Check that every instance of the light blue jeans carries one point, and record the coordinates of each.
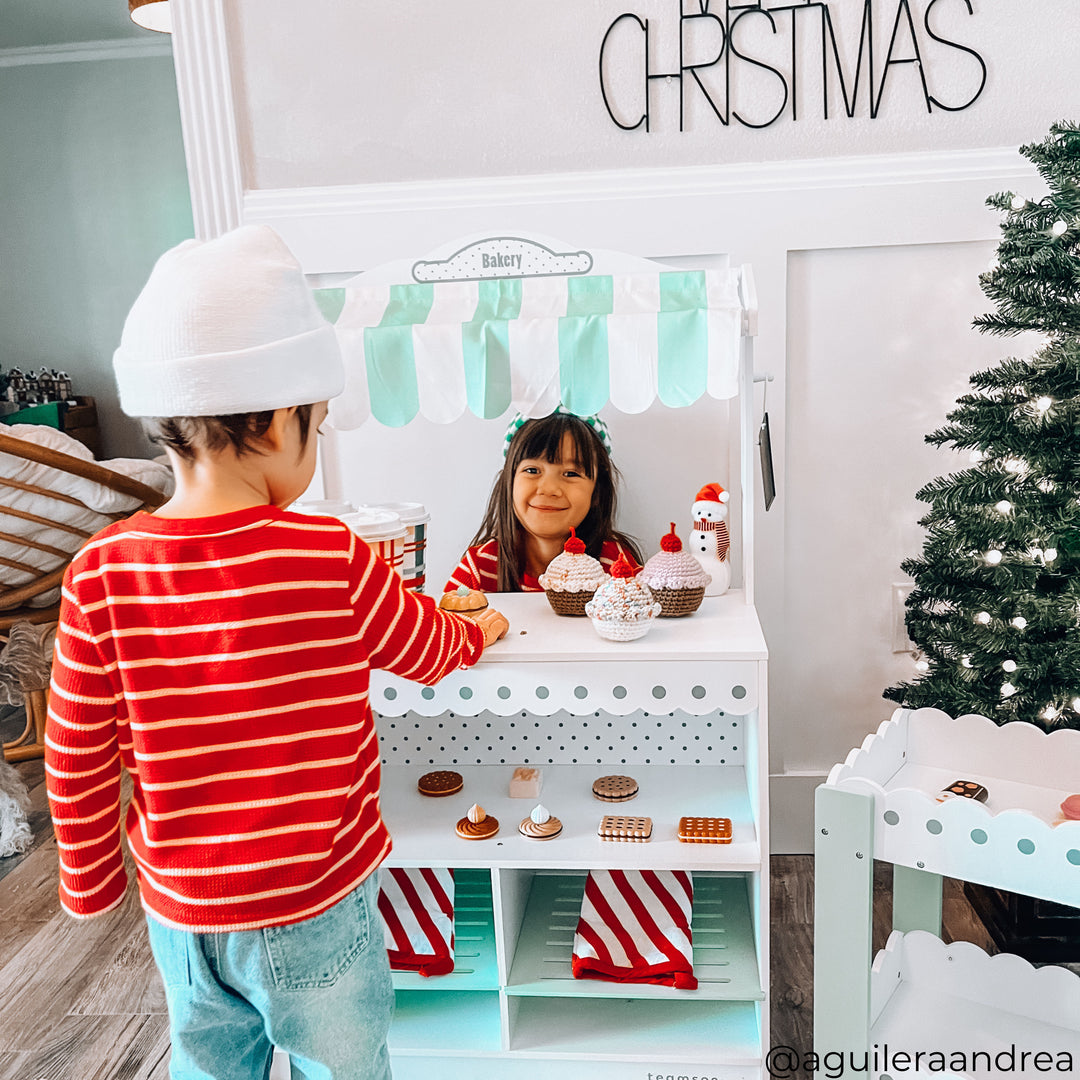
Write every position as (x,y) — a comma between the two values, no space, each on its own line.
(318,989)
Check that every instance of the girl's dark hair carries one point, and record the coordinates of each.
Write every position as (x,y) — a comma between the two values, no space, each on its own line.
(242,431)
(543,438)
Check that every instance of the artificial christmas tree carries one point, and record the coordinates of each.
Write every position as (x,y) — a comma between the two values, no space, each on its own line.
(995,610)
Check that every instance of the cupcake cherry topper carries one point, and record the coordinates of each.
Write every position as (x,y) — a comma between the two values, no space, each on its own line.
(710,541)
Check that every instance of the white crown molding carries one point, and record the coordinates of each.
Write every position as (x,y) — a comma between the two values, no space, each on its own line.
(82,51)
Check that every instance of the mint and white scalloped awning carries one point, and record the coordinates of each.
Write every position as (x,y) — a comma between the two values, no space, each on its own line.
(528,344)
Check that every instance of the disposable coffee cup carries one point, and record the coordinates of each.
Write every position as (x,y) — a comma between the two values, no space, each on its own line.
(415,518)
(382,530)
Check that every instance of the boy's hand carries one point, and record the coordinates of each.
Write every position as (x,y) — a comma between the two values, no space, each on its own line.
(493,623)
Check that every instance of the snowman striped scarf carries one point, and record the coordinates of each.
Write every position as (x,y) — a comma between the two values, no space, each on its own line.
(635,927)
(723,537)
(417,907)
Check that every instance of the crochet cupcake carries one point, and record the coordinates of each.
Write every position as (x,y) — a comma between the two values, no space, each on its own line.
(622,607)
(676,578)
(571,578)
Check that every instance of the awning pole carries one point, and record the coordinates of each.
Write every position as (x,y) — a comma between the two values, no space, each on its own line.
(330,460)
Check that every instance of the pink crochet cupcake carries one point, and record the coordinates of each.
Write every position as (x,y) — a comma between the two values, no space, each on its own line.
(675,577)
(571,578)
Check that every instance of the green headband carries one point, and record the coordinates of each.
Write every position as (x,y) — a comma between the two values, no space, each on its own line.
(598,426)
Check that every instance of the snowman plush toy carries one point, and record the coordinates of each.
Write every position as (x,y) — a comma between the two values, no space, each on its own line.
(709,540)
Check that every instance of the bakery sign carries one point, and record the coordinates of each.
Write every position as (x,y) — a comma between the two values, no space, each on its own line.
(753,64)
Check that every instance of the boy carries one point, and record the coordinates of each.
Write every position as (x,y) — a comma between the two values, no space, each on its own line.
(220,649)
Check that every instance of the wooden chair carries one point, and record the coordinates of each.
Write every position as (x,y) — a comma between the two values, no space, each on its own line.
(14,600)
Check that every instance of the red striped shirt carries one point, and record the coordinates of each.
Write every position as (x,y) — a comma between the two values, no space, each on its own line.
(479,567)
(225,662)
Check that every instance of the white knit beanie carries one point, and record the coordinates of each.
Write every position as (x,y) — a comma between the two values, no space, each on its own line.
(226,326)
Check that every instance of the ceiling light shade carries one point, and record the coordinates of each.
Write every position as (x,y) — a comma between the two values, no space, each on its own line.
(152,14)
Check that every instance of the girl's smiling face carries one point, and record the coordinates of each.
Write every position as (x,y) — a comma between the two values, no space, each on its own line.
(550,497)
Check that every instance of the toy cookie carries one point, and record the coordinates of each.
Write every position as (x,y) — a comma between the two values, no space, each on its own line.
(622,827)
(705,830)
(615,788)
(963,789)
(442,782)
(476,825)
(540,825)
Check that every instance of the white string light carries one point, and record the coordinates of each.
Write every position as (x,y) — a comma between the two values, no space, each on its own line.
(1019,622)
(1049,713)
(1007,689)
(966,662)
(983,617)
(1050,554)
(993,557)
(1003,507)
(1058,228)
(1018,202)
(1043,403)
(1076,703)
(1008,665)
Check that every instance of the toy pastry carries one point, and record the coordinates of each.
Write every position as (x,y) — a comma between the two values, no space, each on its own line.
(464,601)
(676,578)
(623,607)
(525,783)
(571,578)
(540,825)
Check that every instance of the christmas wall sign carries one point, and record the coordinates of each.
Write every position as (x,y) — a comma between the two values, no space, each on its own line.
(753,64)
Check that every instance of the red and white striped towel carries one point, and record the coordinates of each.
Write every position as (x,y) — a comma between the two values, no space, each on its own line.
(417,906)
(635,927)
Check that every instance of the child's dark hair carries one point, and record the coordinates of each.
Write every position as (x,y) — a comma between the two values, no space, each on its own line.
(242,431)
(543,438)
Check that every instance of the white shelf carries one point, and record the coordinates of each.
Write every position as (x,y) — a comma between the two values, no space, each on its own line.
(1016,840)
(423,828)
(928,996)
(725,956)
(723,628)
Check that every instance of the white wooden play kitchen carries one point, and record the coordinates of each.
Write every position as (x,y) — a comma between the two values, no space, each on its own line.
(980,1014)
(683,709)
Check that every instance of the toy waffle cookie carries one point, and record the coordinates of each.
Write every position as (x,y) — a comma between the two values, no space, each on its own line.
(615,788)
(476,825)
(622,827)
(439,783)
(963,789)
(705,830)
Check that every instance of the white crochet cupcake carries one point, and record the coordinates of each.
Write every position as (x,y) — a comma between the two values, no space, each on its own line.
(676,578)
(571,578)
(623,607)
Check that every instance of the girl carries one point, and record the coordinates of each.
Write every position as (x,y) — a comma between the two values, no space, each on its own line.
(557,475)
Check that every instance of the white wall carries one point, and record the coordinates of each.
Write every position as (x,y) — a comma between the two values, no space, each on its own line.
(368,134)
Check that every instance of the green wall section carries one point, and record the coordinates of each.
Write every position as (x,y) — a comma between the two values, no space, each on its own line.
(93,188)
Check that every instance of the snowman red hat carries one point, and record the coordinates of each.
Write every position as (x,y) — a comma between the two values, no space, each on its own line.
(712,493)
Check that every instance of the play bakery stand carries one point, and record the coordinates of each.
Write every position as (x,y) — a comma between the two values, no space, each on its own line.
(980,1013)
(682,710)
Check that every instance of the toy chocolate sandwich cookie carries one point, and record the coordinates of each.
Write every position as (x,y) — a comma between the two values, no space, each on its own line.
(615,788)
(439,783)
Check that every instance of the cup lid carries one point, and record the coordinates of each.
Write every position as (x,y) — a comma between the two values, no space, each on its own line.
(327,507)
(411,513)
(371,524)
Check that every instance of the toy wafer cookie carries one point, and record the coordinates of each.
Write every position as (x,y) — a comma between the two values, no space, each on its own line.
(615,788)
(439,783)
(705,830)
(622,827)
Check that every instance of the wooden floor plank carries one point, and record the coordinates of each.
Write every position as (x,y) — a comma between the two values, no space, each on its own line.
(95,1047)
